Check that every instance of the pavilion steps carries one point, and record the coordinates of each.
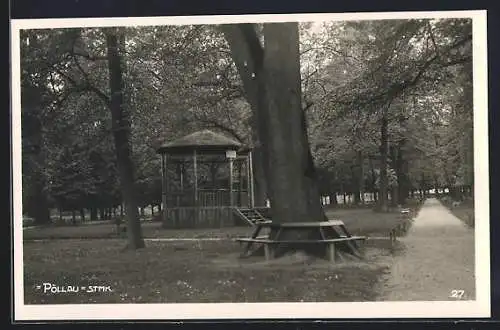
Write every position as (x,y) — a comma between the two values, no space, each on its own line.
(253,216)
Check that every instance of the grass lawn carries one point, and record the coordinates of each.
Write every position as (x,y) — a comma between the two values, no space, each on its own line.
(194,271)
(197,271)
(362,221)
(464,211)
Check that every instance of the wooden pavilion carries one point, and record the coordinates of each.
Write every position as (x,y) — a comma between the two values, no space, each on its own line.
(207,178)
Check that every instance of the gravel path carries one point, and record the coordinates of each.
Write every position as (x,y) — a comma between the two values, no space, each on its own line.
(437,258)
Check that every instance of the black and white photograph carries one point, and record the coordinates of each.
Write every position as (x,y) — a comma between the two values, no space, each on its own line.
(251,166)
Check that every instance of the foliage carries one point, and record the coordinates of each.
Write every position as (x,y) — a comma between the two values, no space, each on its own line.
(412,68)
(182,78)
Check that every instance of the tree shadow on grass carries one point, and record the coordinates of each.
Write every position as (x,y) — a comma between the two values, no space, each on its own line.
(203,271)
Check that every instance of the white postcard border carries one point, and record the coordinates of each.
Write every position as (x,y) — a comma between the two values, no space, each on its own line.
(445,309)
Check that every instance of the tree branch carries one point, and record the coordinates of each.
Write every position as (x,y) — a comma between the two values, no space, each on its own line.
(212,123)
(88,56)
(247,56)
(87,85)
(84,87)
(433,40)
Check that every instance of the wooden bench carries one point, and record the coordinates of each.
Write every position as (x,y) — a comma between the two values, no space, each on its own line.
(330,243)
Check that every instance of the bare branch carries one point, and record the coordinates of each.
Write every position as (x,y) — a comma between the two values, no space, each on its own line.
(247,54)
(433,40)
(308,105)
(88,56)
(212,123)
(84,87)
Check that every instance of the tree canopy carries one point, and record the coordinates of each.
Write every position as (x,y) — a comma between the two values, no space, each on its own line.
(387,105)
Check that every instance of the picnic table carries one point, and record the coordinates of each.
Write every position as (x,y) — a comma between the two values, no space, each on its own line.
(325,233)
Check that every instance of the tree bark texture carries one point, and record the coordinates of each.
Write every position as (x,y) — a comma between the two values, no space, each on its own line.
(402,176)
(271,78)
(121,132)
(35,199)
(383,184)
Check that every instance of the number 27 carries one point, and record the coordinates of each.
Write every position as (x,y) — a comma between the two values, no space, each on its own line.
(458,294)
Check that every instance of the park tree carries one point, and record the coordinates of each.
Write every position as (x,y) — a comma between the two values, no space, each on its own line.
(370,72)
(183,79)
(270,72)
(351,75)
(41,97)
(115,45)
(87,62)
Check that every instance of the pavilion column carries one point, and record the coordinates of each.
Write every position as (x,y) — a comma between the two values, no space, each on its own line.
(164,186)
(182,177)
(231,201)
(249,196)
(195,184)
(195,173)
(251,181)
(238,202)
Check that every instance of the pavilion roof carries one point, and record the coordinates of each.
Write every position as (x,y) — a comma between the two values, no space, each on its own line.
(200,140)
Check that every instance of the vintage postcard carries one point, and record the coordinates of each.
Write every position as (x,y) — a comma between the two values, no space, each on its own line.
(315,166)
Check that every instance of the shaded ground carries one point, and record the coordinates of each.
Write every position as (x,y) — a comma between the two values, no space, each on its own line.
(200,270)
(193,272)
(438,258)
(359,222)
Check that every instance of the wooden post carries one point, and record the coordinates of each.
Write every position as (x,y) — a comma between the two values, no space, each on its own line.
(331,252)
(250,165)
(267,252)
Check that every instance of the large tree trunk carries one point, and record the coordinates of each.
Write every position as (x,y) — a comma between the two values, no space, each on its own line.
(468,136)
(423,186)
(372,186)
(333,198)
(271,77)
(393,191)
(121,131)
(383,184)
(291,172)
(93,213)
(260,188)
(34,182)
(359,179)
(402,176)
(355,184)
(38,206)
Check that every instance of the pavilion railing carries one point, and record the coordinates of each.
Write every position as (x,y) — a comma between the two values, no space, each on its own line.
(200,217)
(207,198)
